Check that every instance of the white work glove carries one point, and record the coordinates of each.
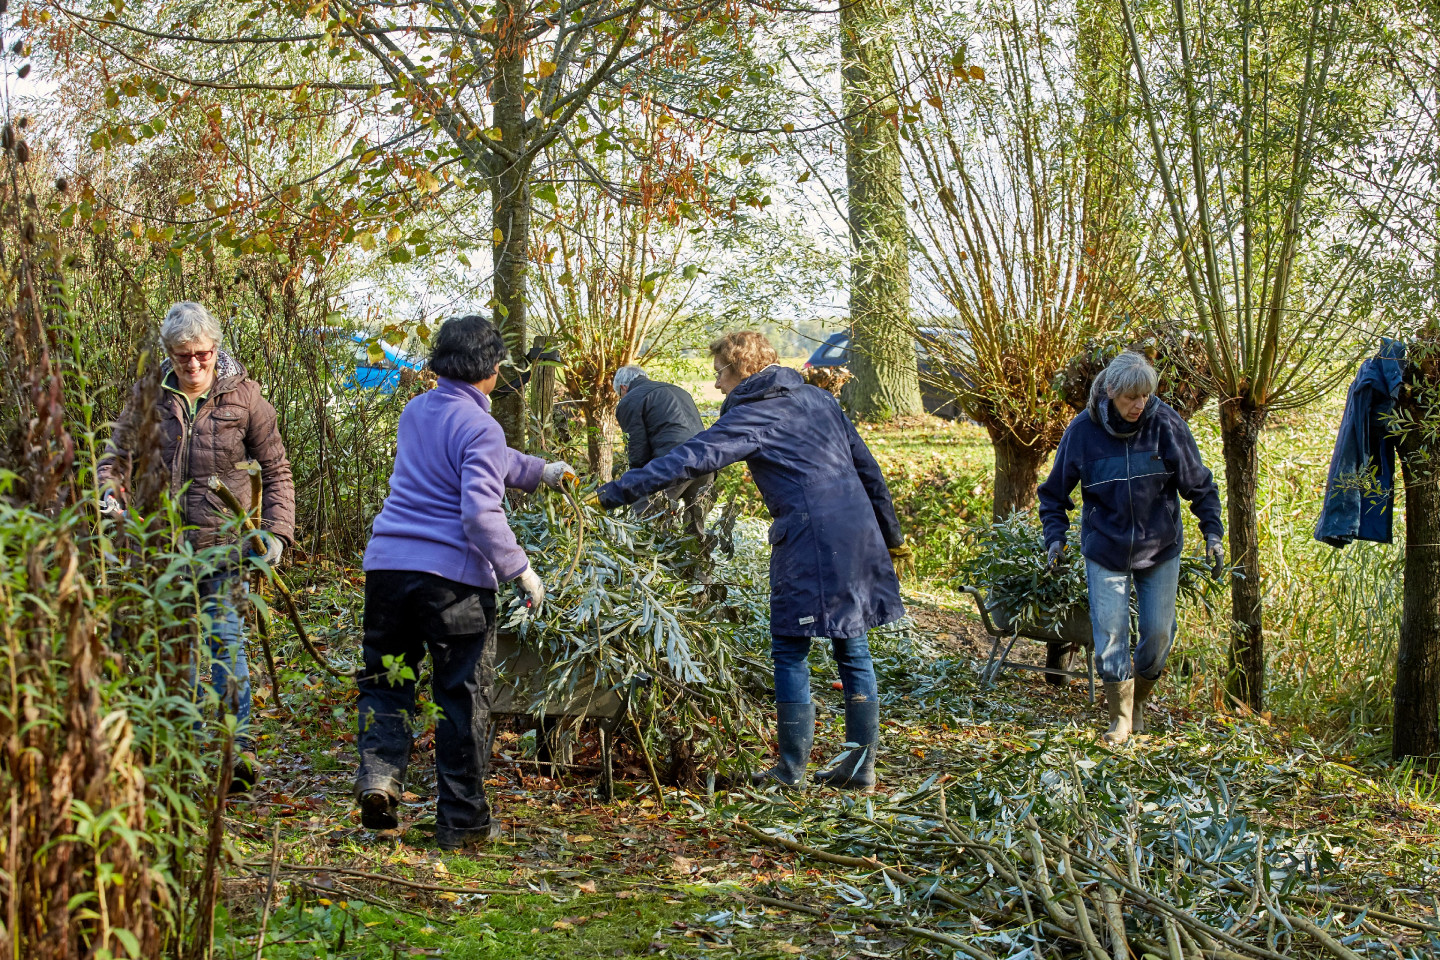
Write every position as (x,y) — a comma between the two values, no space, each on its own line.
(556,473)
(110,507)
(532,588)
(274,547)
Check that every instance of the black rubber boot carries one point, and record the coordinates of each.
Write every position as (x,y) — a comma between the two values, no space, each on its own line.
(377,810)
(452,839)
(795,731)
(855,768)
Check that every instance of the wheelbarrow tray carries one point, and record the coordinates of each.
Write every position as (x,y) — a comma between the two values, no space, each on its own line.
(1074,630)
(518,664)
(521,662)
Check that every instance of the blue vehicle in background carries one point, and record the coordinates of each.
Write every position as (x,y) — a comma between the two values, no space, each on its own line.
(835,352)
(364,369)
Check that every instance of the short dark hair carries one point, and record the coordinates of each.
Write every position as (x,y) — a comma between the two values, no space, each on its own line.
(467,348)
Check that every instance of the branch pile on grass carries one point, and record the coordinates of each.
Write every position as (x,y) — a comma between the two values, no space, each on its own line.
(1067,859)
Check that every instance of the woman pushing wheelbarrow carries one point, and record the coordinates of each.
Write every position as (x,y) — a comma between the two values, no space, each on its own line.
(1133,457)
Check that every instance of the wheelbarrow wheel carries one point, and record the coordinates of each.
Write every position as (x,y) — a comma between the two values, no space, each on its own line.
(1059,655)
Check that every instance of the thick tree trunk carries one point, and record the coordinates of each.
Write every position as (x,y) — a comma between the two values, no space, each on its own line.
(1417,663)
(601,432)
(882,349)
(1016,466)
(510,196)
(1240,437)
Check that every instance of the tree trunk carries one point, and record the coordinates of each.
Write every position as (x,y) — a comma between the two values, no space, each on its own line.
(542,393)
(882,348)
(510,196)
(1417,663)
(1240,437)
(1016,466)
(601,431)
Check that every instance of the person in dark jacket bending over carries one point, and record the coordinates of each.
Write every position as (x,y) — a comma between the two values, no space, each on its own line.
(438,550)
(1133,457)
(657,417)
(834,540)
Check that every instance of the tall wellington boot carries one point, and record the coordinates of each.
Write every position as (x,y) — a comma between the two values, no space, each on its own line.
(795,732)
(1120,700)
(1142,693)
(855,768)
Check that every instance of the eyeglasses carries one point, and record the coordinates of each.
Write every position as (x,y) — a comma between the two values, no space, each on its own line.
(200,357)
(721,370)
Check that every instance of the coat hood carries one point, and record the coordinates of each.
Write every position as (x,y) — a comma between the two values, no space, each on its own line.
(226,368)
(773,381)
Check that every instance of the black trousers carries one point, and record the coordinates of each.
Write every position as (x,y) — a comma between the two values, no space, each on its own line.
(407,614)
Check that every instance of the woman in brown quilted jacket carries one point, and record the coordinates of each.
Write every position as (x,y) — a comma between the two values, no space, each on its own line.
(212,420)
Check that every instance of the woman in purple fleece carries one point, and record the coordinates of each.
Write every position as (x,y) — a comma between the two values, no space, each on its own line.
(438,550)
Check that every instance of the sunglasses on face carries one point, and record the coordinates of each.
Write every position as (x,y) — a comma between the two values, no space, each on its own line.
(201,357)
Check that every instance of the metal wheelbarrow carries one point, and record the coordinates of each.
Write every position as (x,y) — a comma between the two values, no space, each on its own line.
(511,697)
(1074,633)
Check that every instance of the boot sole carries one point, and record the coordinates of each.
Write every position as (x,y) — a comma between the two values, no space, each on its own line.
(377,812)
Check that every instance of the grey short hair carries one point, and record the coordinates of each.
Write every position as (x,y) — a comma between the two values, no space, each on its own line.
(1129,374)
(186,322)
(627,375)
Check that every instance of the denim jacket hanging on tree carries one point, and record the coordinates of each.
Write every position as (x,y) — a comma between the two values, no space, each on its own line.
(1360,491)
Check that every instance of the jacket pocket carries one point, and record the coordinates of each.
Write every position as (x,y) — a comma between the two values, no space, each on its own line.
(782,529)
(1106,470)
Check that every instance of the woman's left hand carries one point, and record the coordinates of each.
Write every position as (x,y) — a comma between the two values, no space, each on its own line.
(1215,553)
(556,473)
(904,559)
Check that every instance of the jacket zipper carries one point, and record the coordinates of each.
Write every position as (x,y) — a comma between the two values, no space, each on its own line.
(1130,488)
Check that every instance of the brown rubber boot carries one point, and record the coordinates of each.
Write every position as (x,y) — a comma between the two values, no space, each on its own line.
(1142,693)
(1120,700)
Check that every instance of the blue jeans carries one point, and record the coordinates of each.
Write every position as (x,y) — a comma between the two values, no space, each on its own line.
(1155,591)
(225,633)
(792,668)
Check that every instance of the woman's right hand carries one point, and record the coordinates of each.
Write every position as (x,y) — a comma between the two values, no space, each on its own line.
(533,589)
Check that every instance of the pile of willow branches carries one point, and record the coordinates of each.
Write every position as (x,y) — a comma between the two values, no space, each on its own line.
(656,608)
(1066,860)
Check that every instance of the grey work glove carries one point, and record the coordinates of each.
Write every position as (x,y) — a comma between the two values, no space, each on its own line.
(1215,553)
(556,473)
(1052,557)
(110,507)
(532,589)
(274,547)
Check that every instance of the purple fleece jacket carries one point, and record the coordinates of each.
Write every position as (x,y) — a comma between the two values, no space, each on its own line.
(445,513)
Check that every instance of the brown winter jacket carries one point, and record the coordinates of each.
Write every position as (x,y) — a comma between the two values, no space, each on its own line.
(233,425)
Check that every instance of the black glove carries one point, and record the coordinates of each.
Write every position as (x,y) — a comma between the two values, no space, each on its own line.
(1215,553)
(1052,557)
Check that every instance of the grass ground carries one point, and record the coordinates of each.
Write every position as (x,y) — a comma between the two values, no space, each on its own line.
(679,876)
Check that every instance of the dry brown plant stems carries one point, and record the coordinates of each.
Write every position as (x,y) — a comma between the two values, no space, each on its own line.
(269,889)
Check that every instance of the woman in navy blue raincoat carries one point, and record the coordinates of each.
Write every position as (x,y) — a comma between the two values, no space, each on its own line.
(834,540)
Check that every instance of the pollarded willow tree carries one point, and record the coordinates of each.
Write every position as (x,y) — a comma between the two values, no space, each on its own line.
(1027,245)
(618,274)
(1261,120)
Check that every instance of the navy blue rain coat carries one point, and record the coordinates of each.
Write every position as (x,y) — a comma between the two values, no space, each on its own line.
(1131,481)
(833,520)
(1360,490)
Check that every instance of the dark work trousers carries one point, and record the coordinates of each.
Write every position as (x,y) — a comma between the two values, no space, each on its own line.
(406,614)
